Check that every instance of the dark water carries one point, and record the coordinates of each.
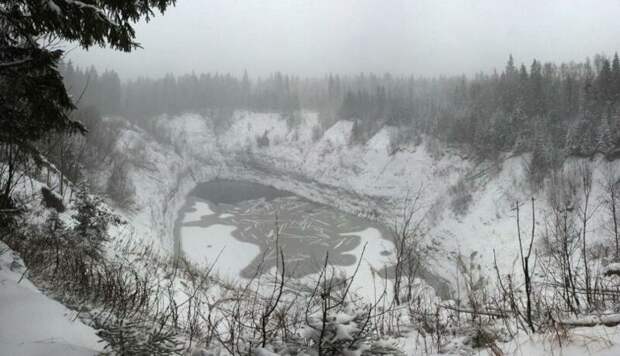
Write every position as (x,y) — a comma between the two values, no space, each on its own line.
(233,192)
(307,231)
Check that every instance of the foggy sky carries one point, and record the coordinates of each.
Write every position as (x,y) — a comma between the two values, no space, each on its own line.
(315,37)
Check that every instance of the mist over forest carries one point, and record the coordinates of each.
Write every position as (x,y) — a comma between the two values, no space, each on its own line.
(311,178)
(551,109)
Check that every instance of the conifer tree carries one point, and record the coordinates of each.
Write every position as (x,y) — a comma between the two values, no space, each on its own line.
(615,77)
(33,98)
(604,82)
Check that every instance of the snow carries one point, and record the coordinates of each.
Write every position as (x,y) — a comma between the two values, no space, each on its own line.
(381,141)
(345,331)
(34,324)
(260,351)
(612,269)
(361,179)
(200,209)
(378,255)
(52,5)
(600,341)
(205,240)
(216,244)
(591,320)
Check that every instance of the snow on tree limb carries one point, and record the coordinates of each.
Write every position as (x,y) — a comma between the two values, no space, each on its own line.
(15,62)
(593,320)
(613,269)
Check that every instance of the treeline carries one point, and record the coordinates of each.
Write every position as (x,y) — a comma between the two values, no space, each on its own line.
(144,97)
(545,108)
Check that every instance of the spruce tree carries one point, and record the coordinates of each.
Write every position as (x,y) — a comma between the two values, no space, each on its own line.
(510,86)
(615,78)
(604,82)
(33,99)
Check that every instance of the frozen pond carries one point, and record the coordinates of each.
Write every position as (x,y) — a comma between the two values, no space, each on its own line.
(233,225)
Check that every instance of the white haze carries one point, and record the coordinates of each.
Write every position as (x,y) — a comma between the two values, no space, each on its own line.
(314,37)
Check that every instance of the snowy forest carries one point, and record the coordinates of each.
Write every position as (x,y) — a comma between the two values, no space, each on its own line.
(552,109)
(274,211)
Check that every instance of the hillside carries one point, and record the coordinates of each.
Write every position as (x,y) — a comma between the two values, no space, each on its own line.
(469,204)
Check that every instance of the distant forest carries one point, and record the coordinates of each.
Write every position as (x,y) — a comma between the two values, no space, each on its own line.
(549,109)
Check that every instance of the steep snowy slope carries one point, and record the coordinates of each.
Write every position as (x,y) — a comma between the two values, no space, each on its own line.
(469,205)
(31,323)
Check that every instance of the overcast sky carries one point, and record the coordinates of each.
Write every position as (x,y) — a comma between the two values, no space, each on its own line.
(314,37)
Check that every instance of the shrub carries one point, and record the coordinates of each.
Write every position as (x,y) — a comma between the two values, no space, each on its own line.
(119,187)
(317,133)
(138,337)
(461,198)
(93,220)
(51,200)
(263,141)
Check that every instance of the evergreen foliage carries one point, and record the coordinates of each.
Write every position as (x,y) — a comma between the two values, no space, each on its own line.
(33,100)
(92,221)
(572,105)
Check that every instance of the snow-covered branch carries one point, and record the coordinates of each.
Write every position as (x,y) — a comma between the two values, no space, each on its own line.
(593,320)
(15,62)
(613,269)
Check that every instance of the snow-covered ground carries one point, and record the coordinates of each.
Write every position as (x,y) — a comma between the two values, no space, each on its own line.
(214,245)
(31,323)
(596,341)
(469,205)
(370,180)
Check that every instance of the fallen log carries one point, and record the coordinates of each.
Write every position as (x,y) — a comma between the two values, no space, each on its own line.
(485,312)
(593,320)
(613,269)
